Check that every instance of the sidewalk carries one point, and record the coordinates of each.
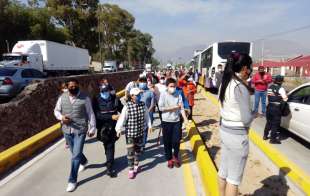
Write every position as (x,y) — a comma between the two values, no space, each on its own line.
(258,178)
(49,175)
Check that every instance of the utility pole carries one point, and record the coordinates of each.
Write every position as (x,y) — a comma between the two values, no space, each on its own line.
(99,32)
(263,45)
(7,45)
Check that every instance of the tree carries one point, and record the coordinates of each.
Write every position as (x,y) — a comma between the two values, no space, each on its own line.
(140,48)
(78,17)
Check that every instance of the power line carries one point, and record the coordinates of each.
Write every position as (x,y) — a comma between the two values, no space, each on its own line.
(283,32)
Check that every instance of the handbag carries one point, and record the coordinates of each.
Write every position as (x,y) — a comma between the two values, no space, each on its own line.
(106,134)
(285,108)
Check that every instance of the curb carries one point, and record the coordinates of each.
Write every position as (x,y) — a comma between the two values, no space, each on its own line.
(207,169)
(25,149)
(294,172)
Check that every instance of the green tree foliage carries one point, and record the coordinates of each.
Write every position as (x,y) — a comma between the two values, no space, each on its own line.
(114,26)
(82,23)
(18,22)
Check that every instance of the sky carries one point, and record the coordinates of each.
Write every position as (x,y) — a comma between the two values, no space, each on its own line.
(177,24)
(180,26)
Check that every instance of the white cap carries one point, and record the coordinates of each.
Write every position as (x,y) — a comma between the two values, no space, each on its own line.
(190,79)
(135,91)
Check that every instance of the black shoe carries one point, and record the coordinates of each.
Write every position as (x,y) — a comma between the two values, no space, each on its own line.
(265,137)
(111,173)
(274,141)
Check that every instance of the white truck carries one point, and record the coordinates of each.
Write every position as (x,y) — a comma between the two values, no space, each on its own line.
(49,57)
(109,66)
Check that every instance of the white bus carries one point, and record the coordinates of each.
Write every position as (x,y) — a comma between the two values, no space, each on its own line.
(216,54)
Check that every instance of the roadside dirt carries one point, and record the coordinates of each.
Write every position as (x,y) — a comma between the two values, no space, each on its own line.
(258,179)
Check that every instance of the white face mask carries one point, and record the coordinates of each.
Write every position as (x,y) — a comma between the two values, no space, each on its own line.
(162,81)
(171,90)
(65,90)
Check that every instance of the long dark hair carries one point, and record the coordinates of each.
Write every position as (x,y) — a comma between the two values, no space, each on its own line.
(234,64)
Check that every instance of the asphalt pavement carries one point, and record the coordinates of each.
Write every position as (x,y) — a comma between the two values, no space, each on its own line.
(49,175)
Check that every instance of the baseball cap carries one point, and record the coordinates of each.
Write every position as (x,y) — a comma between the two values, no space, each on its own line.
(134,91)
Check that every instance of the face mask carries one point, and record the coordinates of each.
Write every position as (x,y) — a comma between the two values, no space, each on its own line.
(138,98)
(65,90)
(171,90)
(105,95)
(143,86)
(74,91)
(162,81)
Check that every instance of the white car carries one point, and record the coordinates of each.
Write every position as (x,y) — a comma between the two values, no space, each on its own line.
(298,121)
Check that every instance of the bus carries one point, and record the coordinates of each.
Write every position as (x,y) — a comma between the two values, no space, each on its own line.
(208,60)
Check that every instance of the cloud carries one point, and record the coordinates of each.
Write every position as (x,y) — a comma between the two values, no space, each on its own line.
(180,23)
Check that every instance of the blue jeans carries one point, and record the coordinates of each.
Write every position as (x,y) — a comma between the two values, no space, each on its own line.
(260,95)
(76,144)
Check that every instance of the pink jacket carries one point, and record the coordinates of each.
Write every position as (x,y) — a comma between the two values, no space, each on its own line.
(261,83)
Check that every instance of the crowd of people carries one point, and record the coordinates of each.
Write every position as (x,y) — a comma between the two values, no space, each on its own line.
(168,92)
(171,93)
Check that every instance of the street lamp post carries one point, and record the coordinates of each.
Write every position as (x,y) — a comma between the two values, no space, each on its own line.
(7,46)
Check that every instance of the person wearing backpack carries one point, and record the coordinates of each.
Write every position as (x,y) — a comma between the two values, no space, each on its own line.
(276,95)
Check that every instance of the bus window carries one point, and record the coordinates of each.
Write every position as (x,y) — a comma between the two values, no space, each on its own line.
(225,48)
(207,58)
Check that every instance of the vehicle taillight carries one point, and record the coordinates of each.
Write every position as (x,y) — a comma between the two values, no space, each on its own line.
(7,81)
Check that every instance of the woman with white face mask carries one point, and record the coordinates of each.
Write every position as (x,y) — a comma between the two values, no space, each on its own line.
(171,105)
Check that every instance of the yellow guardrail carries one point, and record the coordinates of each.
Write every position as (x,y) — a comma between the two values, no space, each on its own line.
(295,173)
(14,155)
(207,169)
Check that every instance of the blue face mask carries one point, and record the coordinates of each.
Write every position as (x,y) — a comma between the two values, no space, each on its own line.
(105,95)
(138,98)
(143,86)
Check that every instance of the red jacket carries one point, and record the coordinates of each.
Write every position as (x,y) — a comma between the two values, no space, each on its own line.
(261,83)
(189,91)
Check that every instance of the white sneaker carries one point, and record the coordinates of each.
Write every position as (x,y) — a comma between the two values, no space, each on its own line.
(71,187)
(82,167)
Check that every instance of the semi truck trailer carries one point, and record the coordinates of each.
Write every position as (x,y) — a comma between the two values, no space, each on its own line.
(49,57)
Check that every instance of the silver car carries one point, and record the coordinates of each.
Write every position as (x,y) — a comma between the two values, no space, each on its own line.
(14,79)
(298,121)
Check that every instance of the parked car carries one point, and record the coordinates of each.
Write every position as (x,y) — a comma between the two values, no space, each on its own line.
(298,121)
(14,79)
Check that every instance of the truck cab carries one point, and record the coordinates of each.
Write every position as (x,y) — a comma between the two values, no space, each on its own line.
(26,56)
(109,66)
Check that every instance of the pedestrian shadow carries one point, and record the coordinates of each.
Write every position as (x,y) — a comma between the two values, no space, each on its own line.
(185,156)
(155,153)
(206,122)
(120,164)
(91,140)
(275,185)
(200,99)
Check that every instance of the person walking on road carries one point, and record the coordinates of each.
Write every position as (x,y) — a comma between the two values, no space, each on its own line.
(276,95)
(190,90)
(74,111)
(236,117)
(106,106)
(171,105)
(133,118)
(148,98)
(261,80)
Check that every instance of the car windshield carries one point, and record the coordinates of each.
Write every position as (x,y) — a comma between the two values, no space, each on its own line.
(7,72)
(225,48)
(11,58)
(108,66)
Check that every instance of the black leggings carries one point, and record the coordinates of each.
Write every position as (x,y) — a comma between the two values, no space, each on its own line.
(172,136)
